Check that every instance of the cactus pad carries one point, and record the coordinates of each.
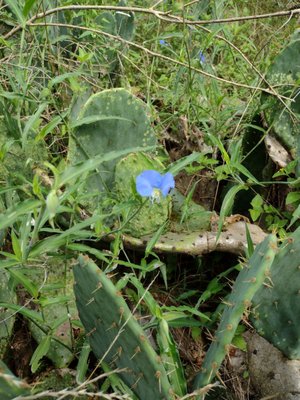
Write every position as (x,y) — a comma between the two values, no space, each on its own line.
(276,305)
(249,280)
(115,336)
(116,24)
(151,215)
(10,386)
(110,120)
(285,71)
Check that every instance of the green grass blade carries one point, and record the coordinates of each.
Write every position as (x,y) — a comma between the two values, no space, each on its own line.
(12,214)
(78,170)
(227,205)
(30,314)
(39,353)
(27,7)
(14,6)
(96,118)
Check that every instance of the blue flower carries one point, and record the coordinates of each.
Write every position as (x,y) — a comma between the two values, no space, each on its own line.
(163,42)
(201,57)
(152,184)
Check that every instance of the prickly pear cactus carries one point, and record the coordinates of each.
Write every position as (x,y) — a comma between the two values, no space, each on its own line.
(110,120)
(276,305)
(10,386)
(115,336)
(249,280)
(150,216)
(285,71)
(117,24)
(188,216)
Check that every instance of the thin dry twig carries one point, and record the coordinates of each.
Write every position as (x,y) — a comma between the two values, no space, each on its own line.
(165,16)
(74,393)
(201,392)
(161,56)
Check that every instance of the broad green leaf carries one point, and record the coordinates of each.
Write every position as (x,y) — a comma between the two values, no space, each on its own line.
(75,171)
(155,238)
(257,204)
(187,294)
(257,201)
(216,141)
(255,214)
(26,282)
(147,298)
(239,342)
(49,127)
(32,315)
(32,120)
(296,216)
(14,6)
(16,246)
(56,323)
(15,96)
(25,229)
(180,310)
(91,250)
(37,187)
(292,197)
(227,205)
(82,365)
(95,118)
(61,78)
(27,7)
(131,265)
(245,172)
(39,353)
(236,151)
(9,263)
(170,358)
(5,43)
(179,165)
(52,243)
(250,245)
(9,189)
(52,203)
(48,301)
(183,322)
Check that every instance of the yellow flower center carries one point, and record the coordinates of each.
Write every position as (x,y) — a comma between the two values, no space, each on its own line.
(156,195)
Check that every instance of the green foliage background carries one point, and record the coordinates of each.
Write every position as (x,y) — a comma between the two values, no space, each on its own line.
(204,97)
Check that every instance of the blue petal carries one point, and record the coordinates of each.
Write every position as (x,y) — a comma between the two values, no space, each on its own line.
(143,187)
(202,57)
(167,183)
(147,181)
(153,177)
